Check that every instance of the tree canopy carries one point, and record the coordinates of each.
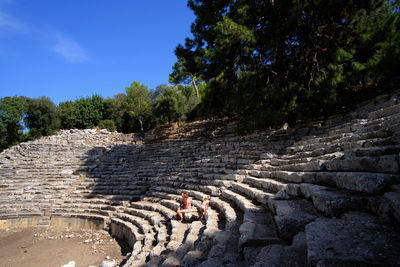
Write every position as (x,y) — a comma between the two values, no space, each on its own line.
(269,61)
(12,111)
(128,109)
(264,62)
(170,105)
(41,117)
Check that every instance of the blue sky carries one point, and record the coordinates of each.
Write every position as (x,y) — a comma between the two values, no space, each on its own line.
(66,49)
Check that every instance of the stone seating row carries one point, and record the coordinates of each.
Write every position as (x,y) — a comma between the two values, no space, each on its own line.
(213,239)
(269,203)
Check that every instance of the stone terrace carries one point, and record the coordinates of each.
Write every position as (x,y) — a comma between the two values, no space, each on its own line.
(325,193)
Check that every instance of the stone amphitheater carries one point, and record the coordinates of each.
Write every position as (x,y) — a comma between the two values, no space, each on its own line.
(325,193)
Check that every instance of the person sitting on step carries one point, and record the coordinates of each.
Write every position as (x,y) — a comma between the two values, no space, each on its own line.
(185,207)
(204,206)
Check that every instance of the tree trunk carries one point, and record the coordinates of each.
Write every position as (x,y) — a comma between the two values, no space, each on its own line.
(195,86)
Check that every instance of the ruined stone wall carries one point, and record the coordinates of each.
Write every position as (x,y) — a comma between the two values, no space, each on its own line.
(323,193)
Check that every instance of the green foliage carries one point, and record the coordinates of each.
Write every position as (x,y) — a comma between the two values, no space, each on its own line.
(139,98)
(108,124)
(170,105)
(269,61)
(41,117)
(126,110)
(388,55)
(3,134)
(89,111)
(12,112)
(68,115)
(190,98)
(115,109)
(186,69)
(23,118)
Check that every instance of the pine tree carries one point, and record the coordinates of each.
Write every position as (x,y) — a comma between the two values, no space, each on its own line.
(268,61)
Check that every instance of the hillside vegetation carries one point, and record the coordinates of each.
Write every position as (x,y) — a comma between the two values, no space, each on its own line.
(262,62)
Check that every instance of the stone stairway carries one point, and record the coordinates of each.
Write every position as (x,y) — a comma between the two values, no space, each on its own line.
(325,193)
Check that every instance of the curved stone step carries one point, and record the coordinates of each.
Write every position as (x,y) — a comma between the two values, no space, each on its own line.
(202,247)
(211,235)
(176,239)
(258,227)
(333,202)
(225,251)
(176,235)
(153,205)
(294,255)
(378,164)
(291,216)
(356,181)
(61,211)
(260,195)
(207,189)
(147,242)
(347,141)
(212,221)
(128,232)
(187,245)
(347,162)
(274,185)
(384,112)
(160,229)
(171,196)
(393,198)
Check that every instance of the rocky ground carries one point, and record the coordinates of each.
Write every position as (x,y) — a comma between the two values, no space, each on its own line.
(48,248)
(323,193)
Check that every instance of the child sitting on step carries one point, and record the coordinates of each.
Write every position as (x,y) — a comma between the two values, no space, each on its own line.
(185,207)
(204,206)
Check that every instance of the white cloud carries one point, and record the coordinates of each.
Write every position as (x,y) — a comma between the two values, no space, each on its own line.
(8,22)
(69,50)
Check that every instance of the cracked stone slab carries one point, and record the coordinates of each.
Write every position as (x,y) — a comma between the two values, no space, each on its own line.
(357,239)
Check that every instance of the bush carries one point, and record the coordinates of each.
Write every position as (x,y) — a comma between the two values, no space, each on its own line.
(41,117)
(108,124)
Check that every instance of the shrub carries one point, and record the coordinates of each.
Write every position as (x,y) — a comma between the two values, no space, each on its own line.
(108,124)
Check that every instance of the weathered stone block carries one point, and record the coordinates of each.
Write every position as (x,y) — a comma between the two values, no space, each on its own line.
(331,201)
(257,229)
(291,216)
(394,203)
(281,255)
(357,240)
(385,164)
(358,181)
